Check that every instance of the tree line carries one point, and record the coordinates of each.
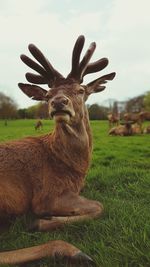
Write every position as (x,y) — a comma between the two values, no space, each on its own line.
(10,110)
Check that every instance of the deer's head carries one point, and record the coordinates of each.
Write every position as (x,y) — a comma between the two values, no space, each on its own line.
(66,96)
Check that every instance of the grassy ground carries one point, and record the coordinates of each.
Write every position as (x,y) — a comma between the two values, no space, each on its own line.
(119,177)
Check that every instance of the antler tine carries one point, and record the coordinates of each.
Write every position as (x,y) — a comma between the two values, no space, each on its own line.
(96,66)
(103,79)
(33,65)
(76,57)
(37,79)
(80,69)
(52,73)
(86,59)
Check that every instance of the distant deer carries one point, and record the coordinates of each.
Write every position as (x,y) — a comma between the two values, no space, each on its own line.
(44,175)
(113,119)
(38,125)
(126,129)
(144,115)
(147,129)
(135,117)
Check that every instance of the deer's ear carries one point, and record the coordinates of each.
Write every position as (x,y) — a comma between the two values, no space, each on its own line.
(98,84)
(33,91)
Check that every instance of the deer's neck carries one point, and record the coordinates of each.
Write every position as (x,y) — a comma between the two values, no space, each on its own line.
(72,144)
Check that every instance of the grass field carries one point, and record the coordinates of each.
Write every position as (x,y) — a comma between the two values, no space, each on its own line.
(119,177)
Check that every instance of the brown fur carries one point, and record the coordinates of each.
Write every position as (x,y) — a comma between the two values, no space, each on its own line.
(125,130)
(45,174)
(145,115)
(36,160)
(38,125)
(136,129)
(134,117)
(113,119)
(147,129)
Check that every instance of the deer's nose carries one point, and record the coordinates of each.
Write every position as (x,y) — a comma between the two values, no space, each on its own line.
(59,102)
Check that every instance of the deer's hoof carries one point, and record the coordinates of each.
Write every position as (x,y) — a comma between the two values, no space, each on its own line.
(81,257)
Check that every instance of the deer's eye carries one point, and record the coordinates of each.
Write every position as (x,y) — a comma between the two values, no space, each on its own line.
(81,91)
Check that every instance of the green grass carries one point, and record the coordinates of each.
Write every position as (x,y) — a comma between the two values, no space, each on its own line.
(119,177)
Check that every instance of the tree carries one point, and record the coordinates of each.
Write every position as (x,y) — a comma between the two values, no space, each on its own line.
(8,108)
(42,110)
(97,112)
(147,101)
(115,108)
(135,104)
(31,112)
(22,113)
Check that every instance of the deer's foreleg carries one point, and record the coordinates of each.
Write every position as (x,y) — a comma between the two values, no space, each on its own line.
(55,249)
(69,208)
(53,222)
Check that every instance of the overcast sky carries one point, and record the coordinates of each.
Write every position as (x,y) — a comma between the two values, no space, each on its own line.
(120,28)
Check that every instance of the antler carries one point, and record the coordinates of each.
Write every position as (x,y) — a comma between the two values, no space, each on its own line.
(80,69)
(47,73)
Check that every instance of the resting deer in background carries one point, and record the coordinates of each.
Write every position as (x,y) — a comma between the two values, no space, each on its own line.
(126,129)
(45,174)
(147,129)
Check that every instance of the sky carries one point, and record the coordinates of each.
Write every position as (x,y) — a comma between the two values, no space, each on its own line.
(120,28)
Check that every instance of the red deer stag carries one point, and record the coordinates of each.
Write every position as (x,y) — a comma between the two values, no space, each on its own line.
(113,119)
(45,174)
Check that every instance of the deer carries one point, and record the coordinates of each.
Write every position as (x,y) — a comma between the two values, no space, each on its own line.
(38,125)
(144,115)
(113,119)
(147,129)
(126,129)
(45,174)
(135,117)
